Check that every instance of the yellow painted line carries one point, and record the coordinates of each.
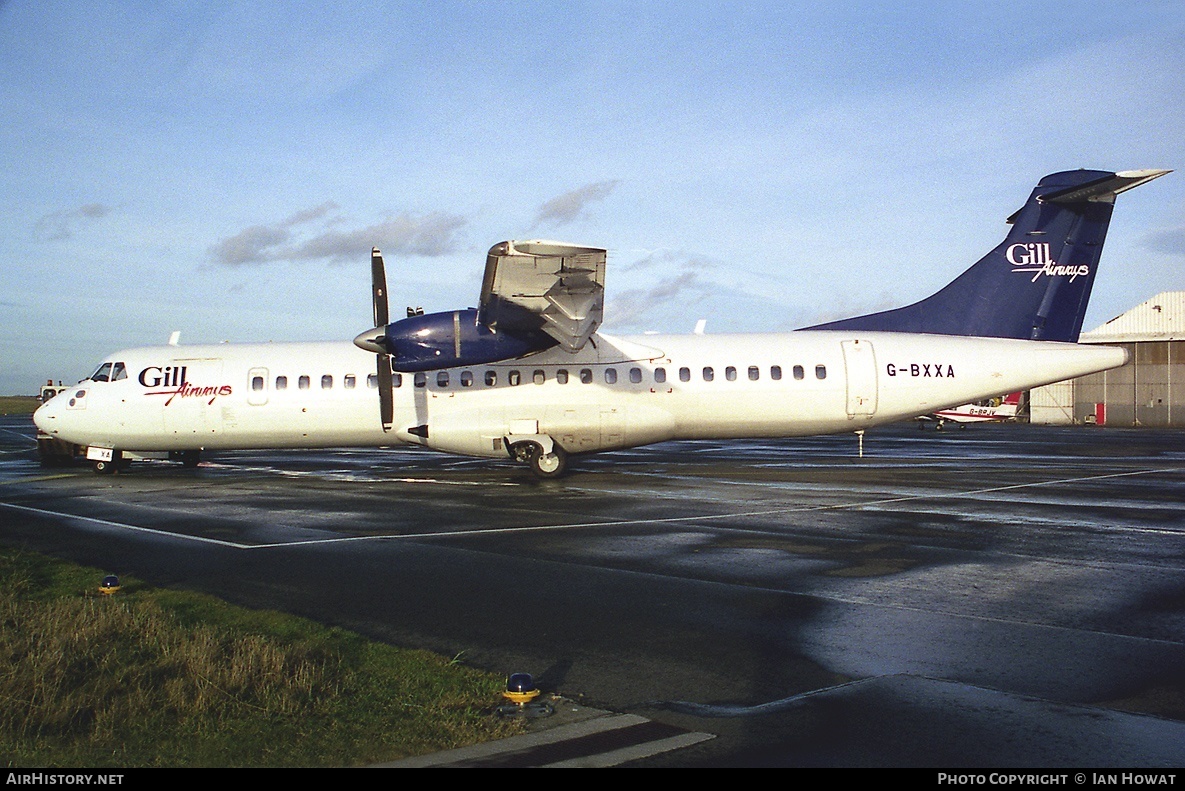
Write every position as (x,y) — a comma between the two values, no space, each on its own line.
(40,478)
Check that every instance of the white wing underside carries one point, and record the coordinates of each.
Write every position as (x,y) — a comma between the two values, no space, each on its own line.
(555,287)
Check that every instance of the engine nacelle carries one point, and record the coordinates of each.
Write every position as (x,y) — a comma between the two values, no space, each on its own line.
(454,339)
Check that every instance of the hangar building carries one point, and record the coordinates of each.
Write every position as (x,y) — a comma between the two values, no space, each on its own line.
(1148,391)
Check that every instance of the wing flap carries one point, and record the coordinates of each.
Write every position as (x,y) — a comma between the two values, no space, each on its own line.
(555,287)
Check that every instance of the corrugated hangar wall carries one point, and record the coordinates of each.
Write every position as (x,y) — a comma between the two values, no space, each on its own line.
(1148,391)
(1141,393)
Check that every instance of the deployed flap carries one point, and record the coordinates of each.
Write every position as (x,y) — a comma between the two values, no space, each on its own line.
(539,285)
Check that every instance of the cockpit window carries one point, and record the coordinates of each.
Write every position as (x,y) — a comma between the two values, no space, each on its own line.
(103,374)
(118,372)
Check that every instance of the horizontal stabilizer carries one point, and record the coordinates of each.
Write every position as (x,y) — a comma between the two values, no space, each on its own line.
(1104,189)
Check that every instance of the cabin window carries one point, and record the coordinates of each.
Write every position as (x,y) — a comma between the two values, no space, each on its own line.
(420,380)
(372,381)
(118,372)
(586,376)
(514,378)
(442,378)
(610,376)
(491,378)
(775,372)
(466,378)
(684,374)
(349,381)
(303,383)
(538,377)
(754,373)
(326,382)
(820,371)
(636,375)
(660,375)
(561,376)
(281,382)
(257,383)
(730,373)
(709,374)
(798,372)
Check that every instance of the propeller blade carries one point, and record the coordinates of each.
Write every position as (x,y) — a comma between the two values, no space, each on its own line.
(386,398)
(378,281)
(372,341)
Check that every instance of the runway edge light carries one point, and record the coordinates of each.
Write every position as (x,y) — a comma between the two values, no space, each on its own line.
(520,688)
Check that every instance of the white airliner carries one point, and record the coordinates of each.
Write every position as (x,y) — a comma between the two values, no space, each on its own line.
(527,375)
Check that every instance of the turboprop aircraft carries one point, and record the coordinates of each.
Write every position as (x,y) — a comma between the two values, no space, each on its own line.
(998,409)
(528,375)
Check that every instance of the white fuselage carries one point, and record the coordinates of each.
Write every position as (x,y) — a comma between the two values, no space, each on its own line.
(614,393)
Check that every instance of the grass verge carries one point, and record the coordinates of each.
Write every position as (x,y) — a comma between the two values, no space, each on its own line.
(18,405)
(157,677)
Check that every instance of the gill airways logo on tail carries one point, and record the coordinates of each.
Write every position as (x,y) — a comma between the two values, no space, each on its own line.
(1034,257)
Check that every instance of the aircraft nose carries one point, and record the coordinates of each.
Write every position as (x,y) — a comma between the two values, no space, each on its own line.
(374,340)
(44,416)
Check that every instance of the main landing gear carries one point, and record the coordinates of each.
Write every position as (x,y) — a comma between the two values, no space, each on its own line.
(543,464)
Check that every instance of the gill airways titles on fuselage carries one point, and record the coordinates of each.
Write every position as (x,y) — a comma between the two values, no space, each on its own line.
(174,376)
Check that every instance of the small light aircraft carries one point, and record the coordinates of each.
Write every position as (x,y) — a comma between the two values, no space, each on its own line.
(987,410)
(527,375)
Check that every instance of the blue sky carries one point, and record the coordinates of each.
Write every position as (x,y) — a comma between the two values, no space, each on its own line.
(223,169)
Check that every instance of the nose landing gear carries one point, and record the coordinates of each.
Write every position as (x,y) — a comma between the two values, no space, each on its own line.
(109,462)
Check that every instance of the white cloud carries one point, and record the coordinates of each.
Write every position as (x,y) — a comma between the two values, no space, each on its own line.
(565,208)
(428,235)
(59,225)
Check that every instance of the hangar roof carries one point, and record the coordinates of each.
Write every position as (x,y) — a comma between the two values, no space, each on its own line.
(1161,318)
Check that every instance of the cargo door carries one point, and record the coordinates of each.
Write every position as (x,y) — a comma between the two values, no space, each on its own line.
(860,368)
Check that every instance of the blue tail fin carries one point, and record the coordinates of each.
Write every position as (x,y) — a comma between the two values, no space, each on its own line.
(1036,283)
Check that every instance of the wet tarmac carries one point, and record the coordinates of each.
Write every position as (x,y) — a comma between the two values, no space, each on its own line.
(1000,596)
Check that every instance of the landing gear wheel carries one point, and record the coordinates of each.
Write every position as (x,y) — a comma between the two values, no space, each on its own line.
(190,458)
(522,452)
(115,464)
(548,465)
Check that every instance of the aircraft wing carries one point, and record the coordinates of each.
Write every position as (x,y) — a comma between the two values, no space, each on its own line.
(554,287)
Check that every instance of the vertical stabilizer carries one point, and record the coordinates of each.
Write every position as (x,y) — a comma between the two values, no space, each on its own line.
(1034,285)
